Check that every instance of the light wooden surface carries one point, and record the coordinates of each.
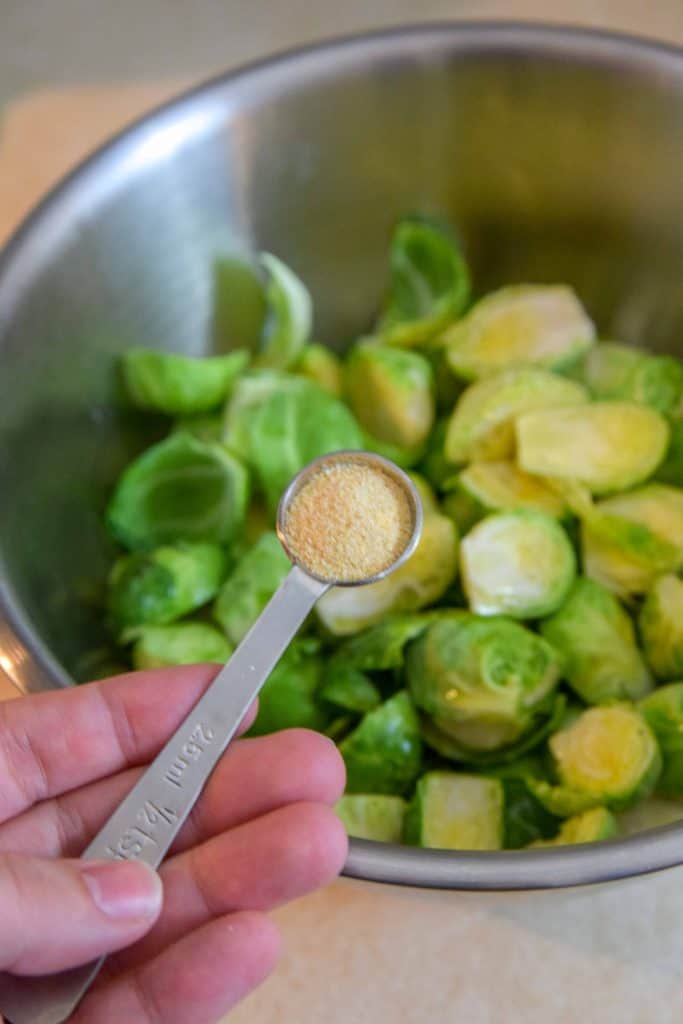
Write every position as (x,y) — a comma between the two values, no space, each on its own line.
(363,954)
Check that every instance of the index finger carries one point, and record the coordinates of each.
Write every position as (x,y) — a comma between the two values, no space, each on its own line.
(53,742)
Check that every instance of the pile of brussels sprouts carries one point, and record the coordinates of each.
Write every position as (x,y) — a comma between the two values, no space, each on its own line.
(519,681)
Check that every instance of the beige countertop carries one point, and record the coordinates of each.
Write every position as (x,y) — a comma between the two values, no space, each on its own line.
(362,954)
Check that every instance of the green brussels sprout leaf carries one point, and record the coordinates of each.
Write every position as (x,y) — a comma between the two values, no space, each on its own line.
(289,316)
(179,489)
(184,643)
(250,586)
(384,753)
(160,586)
(290,697)
(349,689)
(179,385)
(429,285)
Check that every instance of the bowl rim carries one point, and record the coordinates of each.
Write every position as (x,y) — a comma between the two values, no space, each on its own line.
(31,665)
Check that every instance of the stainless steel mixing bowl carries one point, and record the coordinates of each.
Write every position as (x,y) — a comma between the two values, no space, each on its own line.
(557,153)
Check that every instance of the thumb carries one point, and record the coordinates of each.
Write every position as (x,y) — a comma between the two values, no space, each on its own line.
(58,913)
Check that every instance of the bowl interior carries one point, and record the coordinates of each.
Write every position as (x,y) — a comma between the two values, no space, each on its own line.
(556,155)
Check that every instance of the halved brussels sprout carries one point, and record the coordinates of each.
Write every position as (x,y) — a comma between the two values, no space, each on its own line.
(289,315)
(502,486)
(382,647)
(608,446)
(250,586)
(420,581)
(372,816)
(349,689)
(611,370)
(482,424)
(160,586)
(663,712)
(608,755)
(597,642)
(450,811)
(179,489)
(630,539)
(517,563)
(184,643)
(290,697)
(482,681)
(591,826)
(429,285)
(661,627)
(278,422)
(323,367)
(390,391)
(475,738)
(384,753)
(179,385)
(545,325)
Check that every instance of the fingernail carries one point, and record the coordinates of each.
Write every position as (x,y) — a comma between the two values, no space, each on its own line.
(123,889)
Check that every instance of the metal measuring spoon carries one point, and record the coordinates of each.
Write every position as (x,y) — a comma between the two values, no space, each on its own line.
(145,824)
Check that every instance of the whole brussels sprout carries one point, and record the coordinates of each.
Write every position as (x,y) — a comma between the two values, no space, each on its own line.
(544,325)
(391,393)
(250,586)
(179,385)
(384,753)
(179,489)
(608,446)
(481,426)
(450,811)
(482,681)
(610,370)
(183,643)
(160,586)
(420,581)
(663,712)
(661,627)
(597,642)
(630,539)
(517,563)
(429,285)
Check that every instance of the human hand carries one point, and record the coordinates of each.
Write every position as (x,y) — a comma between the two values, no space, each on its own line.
(259,836)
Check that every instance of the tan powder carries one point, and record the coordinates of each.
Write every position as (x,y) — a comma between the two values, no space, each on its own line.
(348,522)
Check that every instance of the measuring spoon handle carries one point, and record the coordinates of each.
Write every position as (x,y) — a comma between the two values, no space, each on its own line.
(145,824)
